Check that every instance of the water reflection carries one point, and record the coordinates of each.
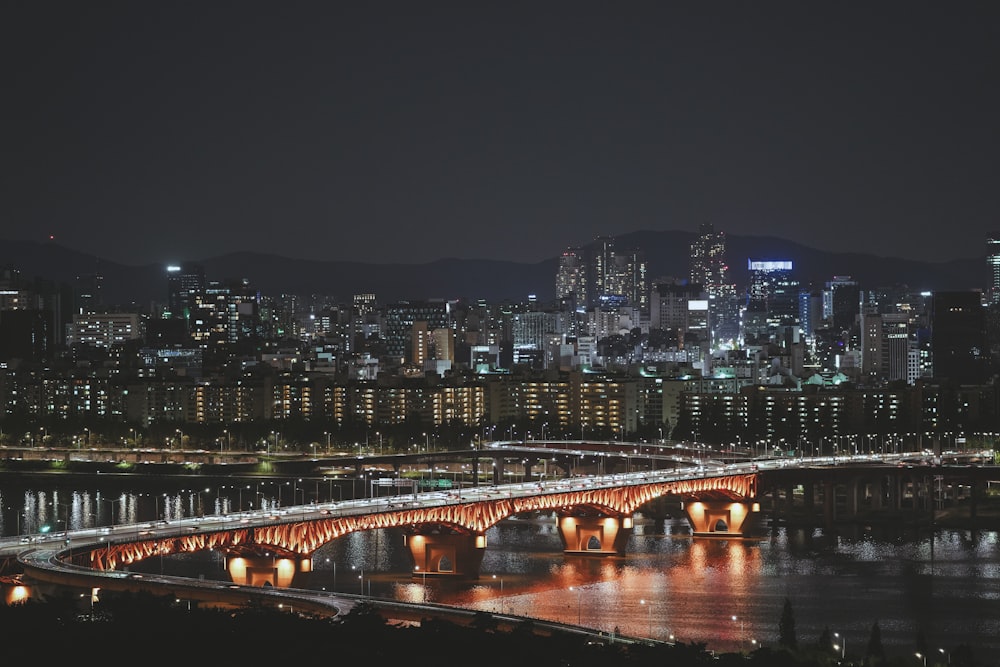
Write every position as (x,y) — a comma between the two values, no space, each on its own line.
(944,587)
(671,585)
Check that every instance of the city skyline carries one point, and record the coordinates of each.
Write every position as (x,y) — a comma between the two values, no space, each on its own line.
(400,133)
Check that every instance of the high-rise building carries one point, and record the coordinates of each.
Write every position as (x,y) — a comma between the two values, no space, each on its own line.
(959,350)
(571,278)
(710,270)
(599,262)
(400,319)
(708,257)
(772,299)
(993,260)
(185,284)
(842,303)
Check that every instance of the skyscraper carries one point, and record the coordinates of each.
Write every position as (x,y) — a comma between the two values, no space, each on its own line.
(708,257)
(772,299)
(710,270)
(571,278)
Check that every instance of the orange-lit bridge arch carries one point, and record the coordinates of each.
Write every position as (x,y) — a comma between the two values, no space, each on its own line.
(449,539)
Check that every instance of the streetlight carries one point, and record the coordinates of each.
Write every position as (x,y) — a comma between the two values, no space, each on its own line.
(501,592)
(921,656)
(946,654)
(649,615)
(327,434)
(841,644)
(741,631)
(423,573)
(361,578)
(579,604)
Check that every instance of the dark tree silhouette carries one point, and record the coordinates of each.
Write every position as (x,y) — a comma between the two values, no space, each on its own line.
(875,654)
(786,627)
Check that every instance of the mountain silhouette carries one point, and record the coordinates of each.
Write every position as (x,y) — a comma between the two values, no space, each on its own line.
(667,254)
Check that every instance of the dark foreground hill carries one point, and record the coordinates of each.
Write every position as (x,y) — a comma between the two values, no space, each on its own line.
(149,630)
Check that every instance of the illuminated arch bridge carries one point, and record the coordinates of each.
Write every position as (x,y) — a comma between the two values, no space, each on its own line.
(450,538)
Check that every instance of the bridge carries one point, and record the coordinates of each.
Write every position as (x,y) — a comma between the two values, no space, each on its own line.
(445,530)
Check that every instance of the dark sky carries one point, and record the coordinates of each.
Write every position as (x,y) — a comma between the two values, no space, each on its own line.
(410,131)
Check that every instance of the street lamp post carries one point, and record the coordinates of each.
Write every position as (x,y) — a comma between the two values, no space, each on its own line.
(921,656)
(423,573)
(361,578)
(579,604)
(501,591)
(841,644)
(741,630)
(649,615)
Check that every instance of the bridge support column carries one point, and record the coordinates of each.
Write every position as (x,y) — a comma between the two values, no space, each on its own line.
(457,556)
(595,535)
(265,570)
(853,496)
(829,503)
(722,518)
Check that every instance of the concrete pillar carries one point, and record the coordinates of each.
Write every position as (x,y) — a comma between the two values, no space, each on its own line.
(448,555)
(264,570)
(718,518)
(595,536)
(498,470)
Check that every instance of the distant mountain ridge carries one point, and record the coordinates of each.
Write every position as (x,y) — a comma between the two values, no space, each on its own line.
(667,255)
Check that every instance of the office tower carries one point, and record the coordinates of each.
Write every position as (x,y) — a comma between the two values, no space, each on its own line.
(400,319)
(958,337)
(842,303)
(104,329)
(772,299)
(810,310)
(710,270)
(670,308)
(364,320)
(228,312)
(185,283)
(993,260)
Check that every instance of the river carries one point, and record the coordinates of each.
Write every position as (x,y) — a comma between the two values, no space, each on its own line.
(727,593)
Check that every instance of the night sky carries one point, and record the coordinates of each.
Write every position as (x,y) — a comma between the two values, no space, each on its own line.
(411,131)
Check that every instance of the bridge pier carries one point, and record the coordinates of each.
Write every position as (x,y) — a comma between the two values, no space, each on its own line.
(266,570)
(595,535)
(451,555)
(727,518)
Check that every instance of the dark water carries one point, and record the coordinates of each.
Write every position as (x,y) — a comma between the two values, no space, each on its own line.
(945,585)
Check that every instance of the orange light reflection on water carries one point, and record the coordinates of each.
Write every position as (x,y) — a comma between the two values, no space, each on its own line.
(692,600)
